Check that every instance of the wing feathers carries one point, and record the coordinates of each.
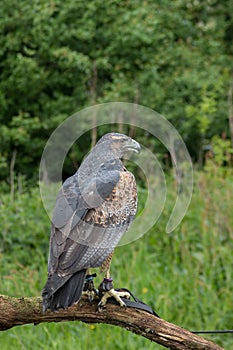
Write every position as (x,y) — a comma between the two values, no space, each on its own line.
(87,224)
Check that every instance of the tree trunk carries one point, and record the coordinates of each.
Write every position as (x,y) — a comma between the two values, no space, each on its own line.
(93,84)
(230,109)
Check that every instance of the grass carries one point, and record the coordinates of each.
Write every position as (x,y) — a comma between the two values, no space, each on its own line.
(185,276)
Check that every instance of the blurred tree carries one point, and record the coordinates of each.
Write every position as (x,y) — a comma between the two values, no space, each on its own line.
(58,57)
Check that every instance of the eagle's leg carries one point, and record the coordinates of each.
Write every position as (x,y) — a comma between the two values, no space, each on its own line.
(106,287)
(89,288)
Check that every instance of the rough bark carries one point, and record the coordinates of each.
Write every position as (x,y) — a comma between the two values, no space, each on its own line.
(20,311)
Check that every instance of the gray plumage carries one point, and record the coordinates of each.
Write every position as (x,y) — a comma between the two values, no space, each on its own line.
(93,209)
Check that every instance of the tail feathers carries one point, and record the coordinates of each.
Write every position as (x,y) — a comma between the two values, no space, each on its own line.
(69,292)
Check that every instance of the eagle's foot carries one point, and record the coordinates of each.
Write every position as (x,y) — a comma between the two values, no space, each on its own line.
(107,291)
(116,295)
(89,288)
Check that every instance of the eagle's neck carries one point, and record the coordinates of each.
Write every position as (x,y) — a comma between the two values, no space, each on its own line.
(97,162)
(112,164)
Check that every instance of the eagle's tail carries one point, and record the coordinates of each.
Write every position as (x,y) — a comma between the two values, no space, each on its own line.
(62,292)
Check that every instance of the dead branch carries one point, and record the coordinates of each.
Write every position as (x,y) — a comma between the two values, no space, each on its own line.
(20,311)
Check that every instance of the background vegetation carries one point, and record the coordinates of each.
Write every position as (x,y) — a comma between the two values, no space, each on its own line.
(58,57)
(175,57)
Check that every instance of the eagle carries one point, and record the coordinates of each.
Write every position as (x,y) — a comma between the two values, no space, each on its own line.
(93,209)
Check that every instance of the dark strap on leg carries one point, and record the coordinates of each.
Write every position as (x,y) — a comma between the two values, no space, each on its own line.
(137,304)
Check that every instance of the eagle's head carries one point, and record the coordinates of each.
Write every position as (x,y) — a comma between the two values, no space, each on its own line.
(119,144)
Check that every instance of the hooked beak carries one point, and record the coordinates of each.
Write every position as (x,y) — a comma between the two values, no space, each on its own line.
(133,146)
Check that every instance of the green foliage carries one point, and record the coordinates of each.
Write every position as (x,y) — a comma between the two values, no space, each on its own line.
(24,228)
(204,111)
(58,57)
(185,276)
(222,151)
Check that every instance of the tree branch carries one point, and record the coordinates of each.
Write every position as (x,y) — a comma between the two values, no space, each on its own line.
(19,311)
